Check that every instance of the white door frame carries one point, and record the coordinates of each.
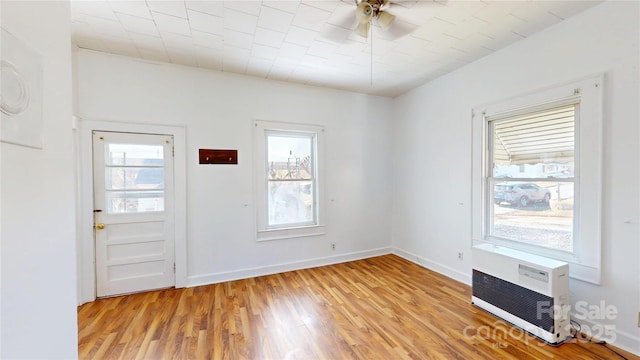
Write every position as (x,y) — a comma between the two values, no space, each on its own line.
(86,244)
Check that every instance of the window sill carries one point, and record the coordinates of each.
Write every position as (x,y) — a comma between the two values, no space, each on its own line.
(577,269)
(290,233)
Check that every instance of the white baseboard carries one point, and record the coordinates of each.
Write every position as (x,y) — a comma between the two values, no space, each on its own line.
(623,340)
(214,278)
(433,265)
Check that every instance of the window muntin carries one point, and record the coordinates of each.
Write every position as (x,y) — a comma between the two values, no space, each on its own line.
(531,184)
(134,178)
(291,183)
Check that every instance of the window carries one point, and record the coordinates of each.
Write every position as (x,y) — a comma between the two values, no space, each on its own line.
(537,174)
(134,180)
(531,180)
(290,179)
(288,183)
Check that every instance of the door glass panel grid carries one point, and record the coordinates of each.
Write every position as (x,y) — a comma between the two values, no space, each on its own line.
(134,178)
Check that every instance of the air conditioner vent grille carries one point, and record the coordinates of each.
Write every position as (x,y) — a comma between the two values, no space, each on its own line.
(526,304)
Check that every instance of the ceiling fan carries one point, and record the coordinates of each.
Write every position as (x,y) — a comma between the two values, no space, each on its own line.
(367,10)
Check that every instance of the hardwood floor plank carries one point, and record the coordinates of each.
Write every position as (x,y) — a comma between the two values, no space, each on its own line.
(379,308)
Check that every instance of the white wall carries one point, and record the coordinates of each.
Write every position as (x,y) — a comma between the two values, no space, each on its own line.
(38,202)
(217,110)
(432,142)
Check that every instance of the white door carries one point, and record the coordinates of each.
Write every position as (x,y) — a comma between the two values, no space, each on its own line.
(133,216)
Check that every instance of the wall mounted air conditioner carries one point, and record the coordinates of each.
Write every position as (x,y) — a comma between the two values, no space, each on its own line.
(529,291)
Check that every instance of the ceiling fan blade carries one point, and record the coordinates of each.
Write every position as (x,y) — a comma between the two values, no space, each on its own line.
(336,33)
(398,30)
(363,29)
(385,20)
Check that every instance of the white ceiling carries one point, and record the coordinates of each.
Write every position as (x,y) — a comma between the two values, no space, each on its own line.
(311,42)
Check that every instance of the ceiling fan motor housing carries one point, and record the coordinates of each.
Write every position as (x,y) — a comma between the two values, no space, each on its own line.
(374,9)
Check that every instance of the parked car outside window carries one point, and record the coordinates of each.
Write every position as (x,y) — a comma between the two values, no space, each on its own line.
(521,194)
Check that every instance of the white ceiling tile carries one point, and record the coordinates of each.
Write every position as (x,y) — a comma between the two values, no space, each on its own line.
(281,62)
(238,39)
(269,38)
(292,52)
(321,49)
(207,40)
(433,28)
(343,16)
(310,60)
(324,5)
(440,43)
(172,40)
(274,19)
(354,49)
(567,9)
(215,8)
(382,46)
(239,21)
(138,24)
(105,26)
(534,25)
(236,52)
(310,18)
(313,42)
(457,11)
(168,7)
(247,7)
(475,40)
(501,38)
(133,8)
(100,9)
(290,6)
(334,33)
(417,14)
(205,22)
(338,59)
(495,10)
(409,45)
(172,24)
(264,52)
(466,28)
(300,36)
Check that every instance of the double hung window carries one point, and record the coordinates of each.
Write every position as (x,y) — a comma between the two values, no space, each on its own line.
(531,179)
(537,174)
(288,181)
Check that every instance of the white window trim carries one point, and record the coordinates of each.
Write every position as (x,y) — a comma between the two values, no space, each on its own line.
(263,232)
(585,262)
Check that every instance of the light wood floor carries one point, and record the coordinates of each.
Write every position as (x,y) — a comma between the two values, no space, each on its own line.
(378,308)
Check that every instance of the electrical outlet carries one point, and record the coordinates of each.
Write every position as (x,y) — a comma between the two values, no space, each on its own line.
(333,246)
(459,256)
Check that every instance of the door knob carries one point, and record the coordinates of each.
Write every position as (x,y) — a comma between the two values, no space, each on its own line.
(100,226)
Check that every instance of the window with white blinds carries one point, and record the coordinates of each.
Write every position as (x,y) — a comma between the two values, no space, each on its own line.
(531,153)
(537,174)
(534,137)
